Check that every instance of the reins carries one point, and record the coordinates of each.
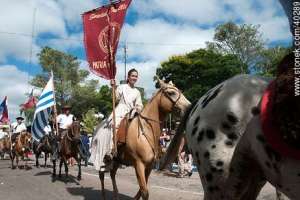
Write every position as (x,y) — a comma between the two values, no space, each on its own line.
(147,119)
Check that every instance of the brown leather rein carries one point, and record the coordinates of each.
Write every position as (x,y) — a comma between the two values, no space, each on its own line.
(166,94)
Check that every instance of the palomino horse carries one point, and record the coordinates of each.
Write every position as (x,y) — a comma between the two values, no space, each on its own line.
(70,147)
(4,146)
(46,145)
(142,138)
(21,148)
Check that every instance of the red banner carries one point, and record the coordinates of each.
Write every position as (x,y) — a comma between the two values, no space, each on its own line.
(102,29)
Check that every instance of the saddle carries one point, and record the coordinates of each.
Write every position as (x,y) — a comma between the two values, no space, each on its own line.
(122,130)
(123,127)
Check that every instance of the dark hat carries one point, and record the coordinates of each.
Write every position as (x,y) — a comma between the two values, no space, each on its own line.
(65,107)
(21,118)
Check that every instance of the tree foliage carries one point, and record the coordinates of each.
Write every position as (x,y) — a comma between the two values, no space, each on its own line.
(66,72)
(245,41)
(71,86)
(89,121)
(198,71)
(270,59)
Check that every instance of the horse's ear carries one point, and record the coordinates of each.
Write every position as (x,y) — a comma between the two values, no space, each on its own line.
(161,83)
(171,83)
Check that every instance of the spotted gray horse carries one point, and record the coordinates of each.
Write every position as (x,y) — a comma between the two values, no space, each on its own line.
(214,126)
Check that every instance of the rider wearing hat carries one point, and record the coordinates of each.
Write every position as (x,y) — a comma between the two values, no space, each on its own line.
(64,120)
(17,127)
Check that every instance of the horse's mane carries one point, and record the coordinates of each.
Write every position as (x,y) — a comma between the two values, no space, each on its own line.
(157,92)
(286,107)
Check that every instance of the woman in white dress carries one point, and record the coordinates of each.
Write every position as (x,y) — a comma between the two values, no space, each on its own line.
(129,99)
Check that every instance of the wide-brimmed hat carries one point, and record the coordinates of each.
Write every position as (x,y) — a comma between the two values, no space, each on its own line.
(21,118)
(65,107)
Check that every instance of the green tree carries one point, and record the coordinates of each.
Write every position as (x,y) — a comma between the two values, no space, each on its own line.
(66,72)
(104,100)
(198,71)
(270,59)
(245,41)
(89,121)
(29,114)
(83,97)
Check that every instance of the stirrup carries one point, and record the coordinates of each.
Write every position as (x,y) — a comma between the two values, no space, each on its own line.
(114,152)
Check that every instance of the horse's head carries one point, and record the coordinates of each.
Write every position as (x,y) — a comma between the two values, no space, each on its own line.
(26,141)
(51,142)
(171,98)
(74,131)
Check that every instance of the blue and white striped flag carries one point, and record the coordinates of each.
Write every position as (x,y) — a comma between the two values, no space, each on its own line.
(43,110)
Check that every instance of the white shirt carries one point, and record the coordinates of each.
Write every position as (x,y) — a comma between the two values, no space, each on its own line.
(47,129)
(18,128)
(64,121)
(129,98)
(2,134)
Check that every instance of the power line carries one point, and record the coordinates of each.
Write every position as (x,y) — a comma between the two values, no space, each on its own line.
(122,42)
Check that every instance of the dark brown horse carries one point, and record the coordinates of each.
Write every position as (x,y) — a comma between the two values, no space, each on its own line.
(70,148)
(46,145)
(21,148)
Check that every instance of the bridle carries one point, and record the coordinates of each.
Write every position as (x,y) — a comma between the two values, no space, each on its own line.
(167,95)
(163,91)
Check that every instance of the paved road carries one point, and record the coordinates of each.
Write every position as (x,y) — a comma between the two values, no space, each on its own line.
(37,184)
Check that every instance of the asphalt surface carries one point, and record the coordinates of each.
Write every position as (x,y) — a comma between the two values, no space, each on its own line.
(37,184)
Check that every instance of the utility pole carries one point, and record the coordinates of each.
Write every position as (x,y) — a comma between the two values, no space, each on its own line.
(125,61)
(31,42)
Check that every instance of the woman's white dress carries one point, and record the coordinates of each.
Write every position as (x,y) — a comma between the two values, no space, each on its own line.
(102,143)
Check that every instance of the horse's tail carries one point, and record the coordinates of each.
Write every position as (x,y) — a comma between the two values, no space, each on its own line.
(173,148)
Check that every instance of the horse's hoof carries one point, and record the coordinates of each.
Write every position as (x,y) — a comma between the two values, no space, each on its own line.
(79,178)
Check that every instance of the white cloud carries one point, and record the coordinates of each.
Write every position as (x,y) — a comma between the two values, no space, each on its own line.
(268,13)
(73,41)
(197,11)
(16,26)
(73,9)
(14,85)
(158,39)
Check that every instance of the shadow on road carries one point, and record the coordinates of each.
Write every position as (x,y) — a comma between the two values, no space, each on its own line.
(64,179)
(91,194)
(46,173)
(170,174)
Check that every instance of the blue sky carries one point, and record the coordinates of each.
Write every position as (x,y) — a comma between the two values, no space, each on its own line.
(153,31)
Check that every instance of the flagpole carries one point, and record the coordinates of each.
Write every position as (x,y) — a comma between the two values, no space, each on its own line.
(9,125)
(113,84)
(54,106)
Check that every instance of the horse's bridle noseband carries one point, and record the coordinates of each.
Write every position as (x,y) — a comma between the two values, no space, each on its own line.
(167,95)
(163,90)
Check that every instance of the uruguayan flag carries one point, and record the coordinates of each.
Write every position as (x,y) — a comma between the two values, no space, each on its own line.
(43,110)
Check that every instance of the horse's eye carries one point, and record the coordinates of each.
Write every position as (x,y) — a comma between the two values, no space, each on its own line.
(172,93)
